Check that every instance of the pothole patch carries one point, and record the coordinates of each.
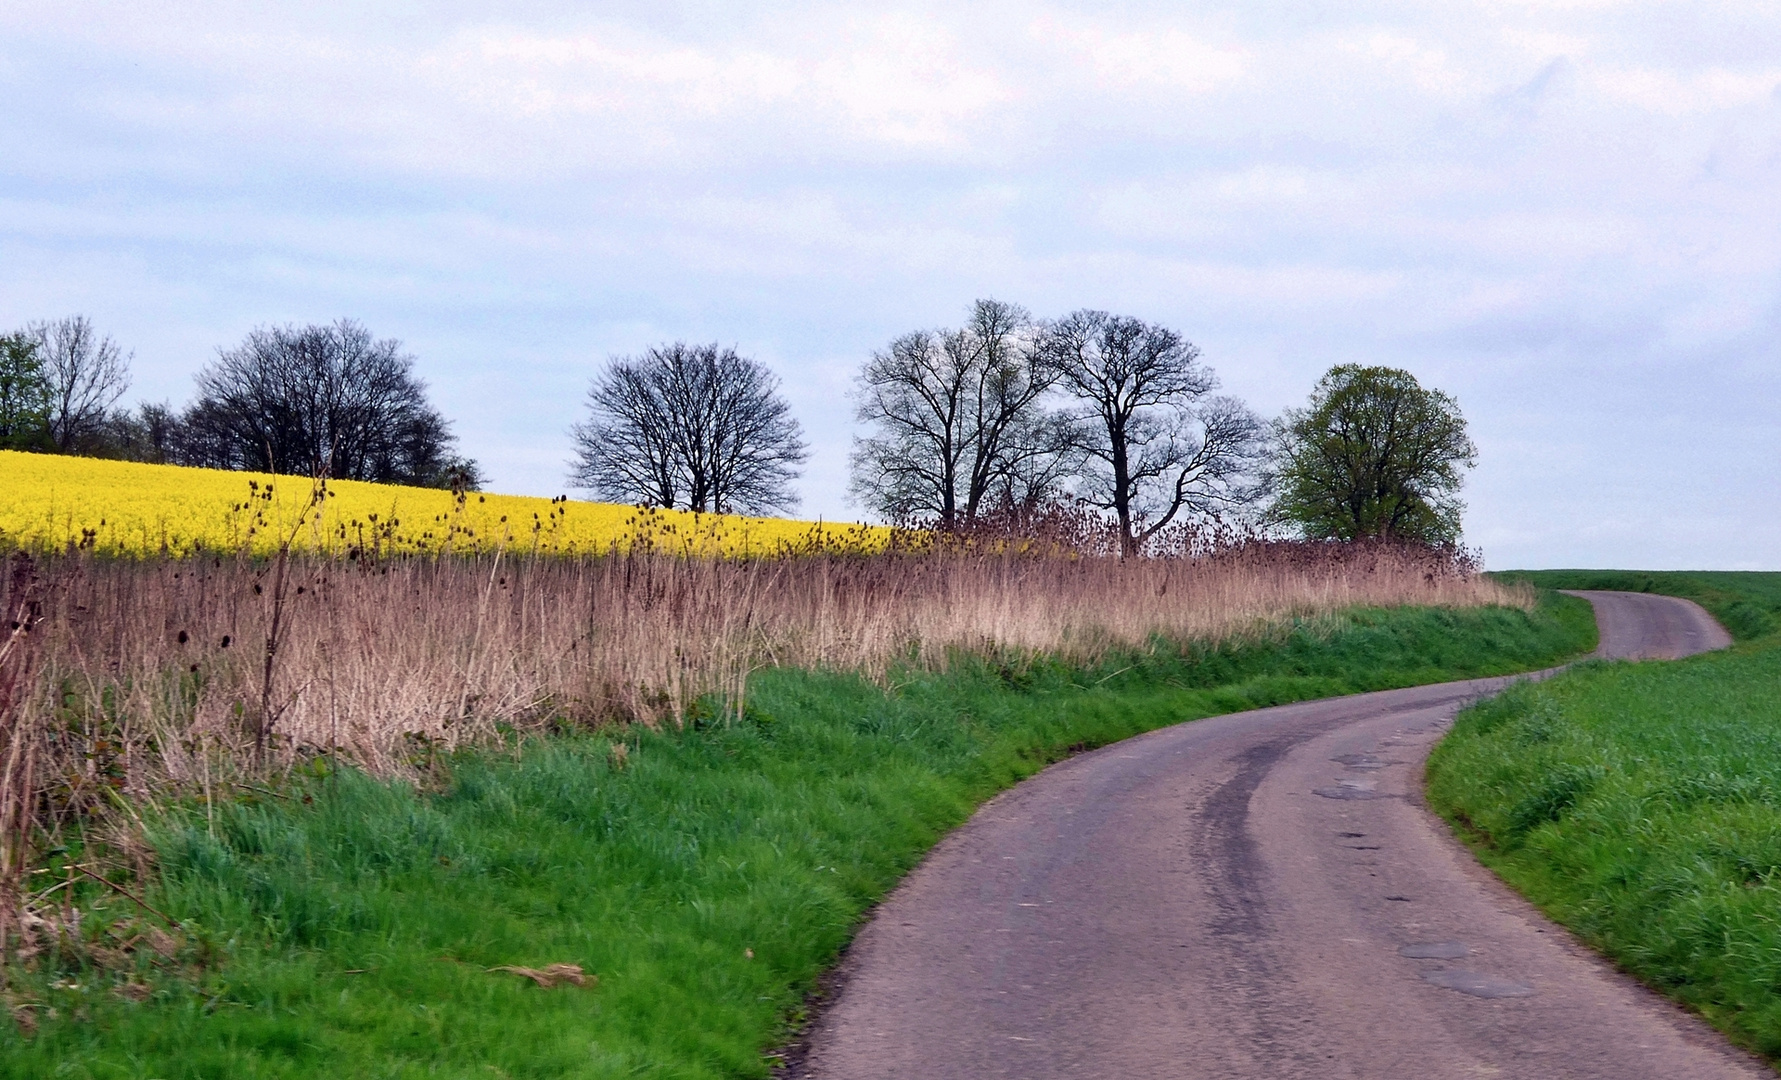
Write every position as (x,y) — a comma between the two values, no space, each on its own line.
(1350,789)
(1434,950)
(1477,984)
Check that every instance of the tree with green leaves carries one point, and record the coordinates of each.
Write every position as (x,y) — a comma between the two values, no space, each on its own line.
(24,394)
(1374,455)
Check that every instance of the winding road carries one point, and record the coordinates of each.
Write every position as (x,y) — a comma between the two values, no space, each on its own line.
(1254,895)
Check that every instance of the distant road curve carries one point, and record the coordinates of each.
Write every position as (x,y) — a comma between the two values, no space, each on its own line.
(1255,895)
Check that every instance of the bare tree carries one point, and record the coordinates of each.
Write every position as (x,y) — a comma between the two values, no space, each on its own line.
(958,422)
(324,400)
(1158,444)
(153,433)
(85,374)
(691,426)
(625,449)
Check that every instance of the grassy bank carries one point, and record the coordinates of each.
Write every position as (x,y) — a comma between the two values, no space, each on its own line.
(1746,603)
(1640,804)
(346,926)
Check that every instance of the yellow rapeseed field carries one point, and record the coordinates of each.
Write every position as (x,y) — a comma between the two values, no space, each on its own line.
(120,508)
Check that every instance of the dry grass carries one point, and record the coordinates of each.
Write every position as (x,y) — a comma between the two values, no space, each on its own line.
(21,738)
(121,680)
(159,671)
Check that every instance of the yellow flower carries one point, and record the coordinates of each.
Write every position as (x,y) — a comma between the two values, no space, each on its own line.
(124,508)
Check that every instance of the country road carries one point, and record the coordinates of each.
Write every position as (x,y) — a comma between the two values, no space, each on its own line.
(1254,895)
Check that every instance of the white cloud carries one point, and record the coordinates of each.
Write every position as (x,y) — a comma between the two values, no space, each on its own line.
(891,78)
(1156,57)
(1562,211)
(1674,93)
(1428,67)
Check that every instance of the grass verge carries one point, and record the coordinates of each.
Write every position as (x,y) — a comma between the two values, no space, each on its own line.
(1746,603)
(348,927)
(1640,805)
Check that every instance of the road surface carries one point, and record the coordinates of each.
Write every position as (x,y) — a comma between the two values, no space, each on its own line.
(1254,895)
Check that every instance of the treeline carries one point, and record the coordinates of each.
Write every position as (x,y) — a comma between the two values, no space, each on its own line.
(1011,419)
(1006,414)
(1007,419)
(324,400)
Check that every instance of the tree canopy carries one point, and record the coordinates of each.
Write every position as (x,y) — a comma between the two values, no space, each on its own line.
(24,394)
(1373,455)
(1158,443)
(695,427)
(84,373)
(325,400)
(956,421)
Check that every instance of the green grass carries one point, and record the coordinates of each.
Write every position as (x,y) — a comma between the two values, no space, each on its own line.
(1640,805)
(1746,603)
(772,835)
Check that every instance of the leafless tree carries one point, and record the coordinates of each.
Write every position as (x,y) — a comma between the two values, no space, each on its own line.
(697,427)
(625,449)
(323,400)
(1158,444)
(84,372)
(958,423)
(153,432)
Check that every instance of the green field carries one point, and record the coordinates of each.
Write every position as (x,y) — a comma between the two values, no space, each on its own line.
(1746,603)
(346,927)
(1640,804)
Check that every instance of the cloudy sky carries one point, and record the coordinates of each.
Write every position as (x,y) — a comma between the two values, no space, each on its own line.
(1565,212)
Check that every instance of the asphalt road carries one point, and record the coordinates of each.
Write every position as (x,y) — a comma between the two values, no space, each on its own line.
(1256,895)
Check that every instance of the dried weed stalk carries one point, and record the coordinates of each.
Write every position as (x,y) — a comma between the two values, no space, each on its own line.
(390,664)
(121,677)
(20,739)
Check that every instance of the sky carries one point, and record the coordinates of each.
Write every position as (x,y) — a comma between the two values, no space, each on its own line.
(1566,213)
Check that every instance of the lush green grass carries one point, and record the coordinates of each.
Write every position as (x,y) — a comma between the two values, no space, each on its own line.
(351,924)
(1746,603)
(1640,805)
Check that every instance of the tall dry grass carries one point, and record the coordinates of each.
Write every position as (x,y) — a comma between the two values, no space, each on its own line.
(21,738)
(172,670)
(123,679)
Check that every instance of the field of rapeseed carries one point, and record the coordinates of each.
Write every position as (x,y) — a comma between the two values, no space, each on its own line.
(127,509)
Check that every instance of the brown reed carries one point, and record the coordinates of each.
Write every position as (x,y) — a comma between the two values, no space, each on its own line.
(161,671)
(20,737)
(120,679)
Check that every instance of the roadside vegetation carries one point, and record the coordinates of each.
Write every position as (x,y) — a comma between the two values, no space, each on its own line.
(1639,804)
(365,772)
(1746,603)
(331,922)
